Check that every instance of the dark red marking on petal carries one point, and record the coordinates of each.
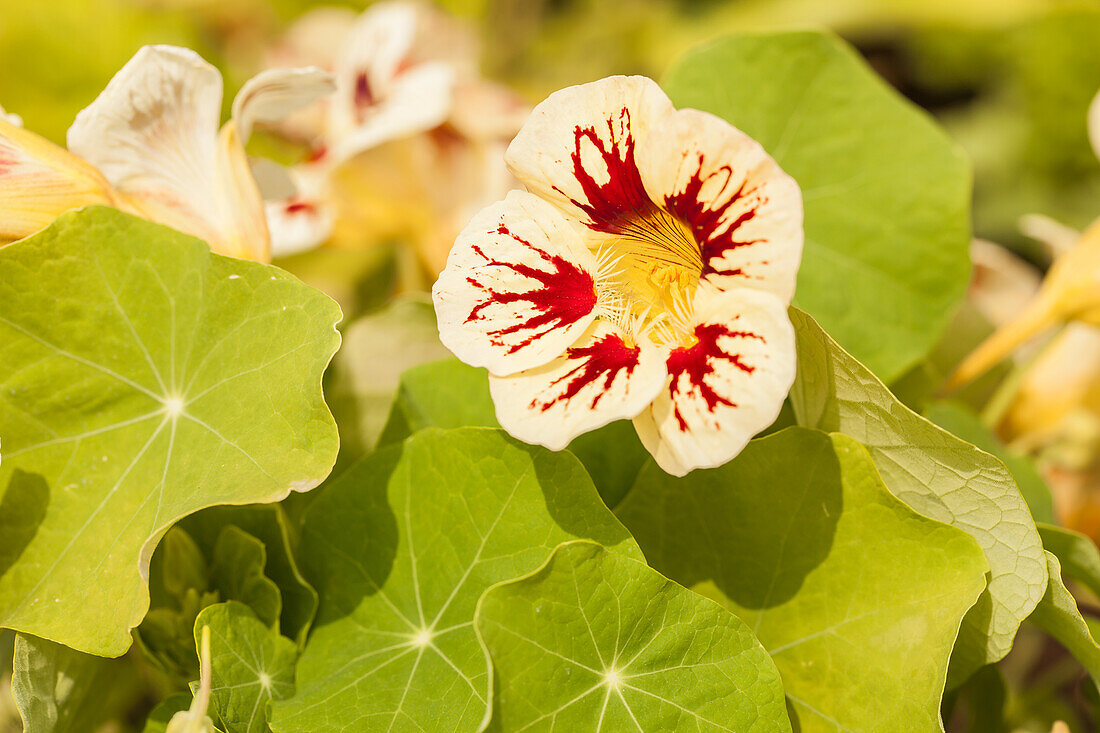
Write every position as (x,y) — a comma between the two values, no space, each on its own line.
(317,154)
(300,207)
(715,237)
(604,358)
(566,294)
(696,362)
(623,198)
(364,96)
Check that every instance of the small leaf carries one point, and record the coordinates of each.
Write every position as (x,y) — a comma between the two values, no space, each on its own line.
(58,689)
(1058,615)
(857,597)
(936,474)
(400,548)
(269,524)
(1077,555)
(238,573)
(886,192)
(594,640)
(251,665)
(143,379)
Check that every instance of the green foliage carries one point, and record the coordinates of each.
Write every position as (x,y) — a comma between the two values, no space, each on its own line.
(881,274)
(251,664)
(401,547)
(1058,615)
(59,690)
(857,598)
(144,379)
(594,640)
(936,474)
(963,423)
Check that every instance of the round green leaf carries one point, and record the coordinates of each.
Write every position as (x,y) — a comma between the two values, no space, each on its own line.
(141,378)
(886,193)
(595,641)
(250,664)
(857,598)
(400,549)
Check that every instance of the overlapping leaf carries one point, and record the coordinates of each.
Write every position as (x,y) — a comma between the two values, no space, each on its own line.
(857,598)
(400,548)
(936,474)
(250,664)
(596,641)
(141,379)
(886,193)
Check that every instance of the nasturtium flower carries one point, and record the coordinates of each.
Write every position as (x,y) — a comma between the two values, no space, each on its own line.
(411,143)
(153,133)
(644,274)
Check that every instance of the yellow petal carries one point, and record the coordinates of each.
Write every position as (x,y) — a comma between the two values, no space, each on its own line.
(39,180)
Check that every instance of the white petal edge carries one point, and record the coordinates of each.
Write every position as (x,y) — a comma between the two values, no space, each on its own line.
(1094,124)
(745,211)
(712,434)
(598,380)
(521,246)
(153,132)
(619,112)
(272,95)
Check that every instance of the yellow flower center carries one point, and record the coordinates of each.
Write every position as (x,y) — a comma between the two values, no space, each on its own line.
(648,273)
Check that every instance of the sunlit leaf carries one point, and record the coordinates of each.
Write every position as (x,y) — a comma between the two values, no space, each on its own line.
(400,548)
(857,597)
(936,474)
(596,641)
(143,378)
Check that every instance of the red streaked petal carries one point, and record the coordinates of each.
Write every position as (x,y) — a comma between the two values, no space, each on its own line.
(577,149)
(516,291)
(725,386)
(745,212)
(597,380)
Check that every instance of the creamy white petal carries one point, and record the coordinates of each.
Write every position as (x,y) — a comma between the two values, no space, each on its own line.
(744,211)
(577,148)
(272,95)
(39,180)
(11,118)
(518,287)
(299,215)
(153,132)
(599,379)
(724,388)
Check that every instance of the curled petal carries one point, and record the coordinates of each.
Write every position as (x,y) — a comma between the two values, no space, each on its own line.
(599,379)
(725,386)
(518,288)
(272,95)
(299,215)
(154,133)
(11,118)
(744,211)
(577,148)
(39,180)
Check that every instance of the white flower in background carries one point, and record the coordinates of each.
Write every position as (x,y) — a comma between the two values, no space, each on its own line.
(150,145)
(411,143)
(646,275)
(153,133)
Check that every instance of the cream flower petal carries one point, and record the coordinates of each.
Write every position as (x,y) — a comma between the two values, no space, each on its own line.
(11,118)
(272,95)
(744,211)
(726,387)
(597,380)
(577,149)
(518,288)
(39,180)
(299,215)
(383,90)
(153,132)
